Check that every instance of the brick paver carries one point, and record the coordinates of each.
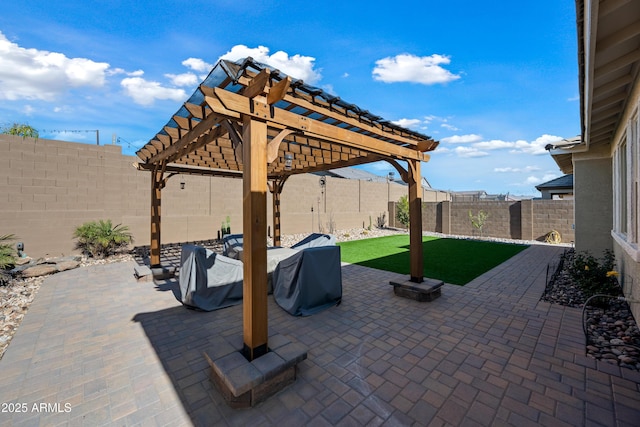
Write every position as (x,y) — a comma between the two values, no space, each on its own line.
(99,348)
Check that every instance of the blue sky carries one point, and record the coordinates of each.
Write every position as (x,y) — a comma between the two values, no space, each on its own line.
(493,81)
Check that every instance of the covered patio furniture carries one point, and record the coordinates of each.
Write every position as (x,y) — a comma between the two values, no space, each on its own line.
(232,245)
(209,281)
(315,240)
(309,281)
(274,256)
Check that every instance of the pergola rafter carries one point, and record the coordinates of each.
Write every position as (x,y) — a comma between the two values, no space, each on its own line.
(248,121)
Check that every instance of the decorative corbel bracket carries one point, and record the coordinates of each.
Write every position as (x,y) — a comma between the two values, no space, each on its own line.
(274,145)
(404,174)
(235,137)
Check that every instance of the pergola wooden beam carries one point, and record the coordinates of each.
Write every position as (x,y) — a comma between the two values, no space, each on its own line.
(416,262)
(276,186)
(191,171)
(258,84)
(226,103)
(254,229)
(350,120)
(279,91)
(156,203)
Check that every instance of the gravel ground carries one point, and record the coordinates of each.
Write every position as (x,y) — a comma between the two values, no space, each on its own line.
(611,332)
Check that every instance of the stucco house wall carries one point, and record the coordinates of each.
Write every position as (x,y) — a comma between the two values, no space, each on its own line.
(625,239)
(606,159)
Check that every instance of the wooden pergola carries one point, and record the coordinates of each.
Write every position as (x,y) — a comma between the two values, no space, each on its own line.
(251,122)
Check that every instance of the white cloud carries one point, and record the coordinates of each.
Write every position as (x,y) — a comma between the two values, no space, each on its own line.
(410,68)
(495,144)
(535,147)
(516,170)
(477,148)
(116,71)
(39,74)
(70,135)
(64,109)
(197,64)
(345,75)
(407,123)
(145,92)
(535,180)
(449,127)
(469,152)
(441,149)
(296,66)
(329,89)
(461,139)
(184,79)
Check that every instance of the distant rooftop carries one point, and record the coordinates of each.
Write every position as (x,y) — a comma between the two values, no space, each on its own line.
(565,181)
(353,173)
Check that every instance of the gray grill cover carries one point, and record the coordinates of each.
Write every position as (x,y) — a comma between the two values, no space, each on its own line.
(209,281)
(314,240)
(309,281)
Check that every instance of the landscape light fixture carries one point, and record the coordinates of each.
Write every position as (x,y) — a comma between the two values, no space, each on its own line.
(182,184)
(20,249)
(288,161)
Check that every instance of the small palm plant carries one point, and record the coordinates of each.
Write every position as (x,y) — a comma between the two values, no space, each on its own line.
(7,257)
(100,239)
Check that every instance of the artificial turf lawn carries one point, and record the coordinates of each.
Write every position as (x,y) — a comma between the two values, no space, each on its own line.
(455,261)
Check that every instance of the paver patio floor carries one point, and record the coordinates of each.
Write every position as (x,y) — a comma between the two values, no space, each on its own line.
(111,351)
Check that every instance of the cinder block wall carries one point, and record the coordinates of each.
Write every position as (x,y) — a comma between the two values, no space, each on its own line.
(48,188)
(553,215)
(526,219)
(496,225)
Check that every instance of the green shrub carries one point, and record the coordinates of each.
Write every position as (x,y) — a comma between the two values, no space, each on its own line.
(7,254)
(7,257)
(402,210)
(477,221)
(21,129)
(101,239)
(595,276)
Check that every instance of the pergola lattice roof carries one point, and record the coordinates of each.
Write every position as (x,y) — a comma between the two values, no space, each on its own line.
(303,121)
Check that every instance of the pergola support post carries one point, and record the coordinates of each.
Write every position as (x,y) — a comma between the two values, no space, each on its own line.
(416,265)
(254,227)
(276,191)
(157,183)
